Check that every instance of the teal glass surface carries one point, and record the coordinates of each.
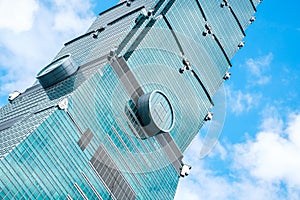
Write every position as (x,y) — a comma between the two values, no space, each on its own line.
(45,152)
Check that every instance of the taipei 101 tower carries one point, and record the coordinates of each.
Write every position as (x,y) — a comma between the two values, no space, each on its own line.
(112,114)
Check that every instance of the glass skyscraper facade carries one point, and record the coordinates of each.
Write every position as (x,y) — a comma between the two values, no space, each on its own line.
(112,114)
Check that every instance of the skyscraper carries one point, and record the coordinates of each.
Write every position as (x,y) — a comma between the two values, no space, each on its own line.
(112,114)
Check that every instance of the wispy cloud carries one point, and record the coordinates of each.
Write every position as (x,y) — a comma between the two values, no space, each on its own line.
(240,102)
(259,69)
(264,167)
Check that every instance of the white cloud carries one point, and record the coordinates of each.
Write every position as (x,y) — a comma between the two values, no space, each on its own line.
(207,185)
(17,15)
(72,15)
(274,155)
(51,24)
(266,167)
(258,69)
(271,120)
(240,102)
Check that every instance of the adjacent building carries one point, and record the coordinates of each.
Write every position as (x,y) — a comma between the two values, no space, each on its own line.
(112,114)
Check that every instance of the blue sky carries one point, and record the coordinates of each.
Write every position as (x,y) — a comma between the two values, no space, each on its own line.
(258,154)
